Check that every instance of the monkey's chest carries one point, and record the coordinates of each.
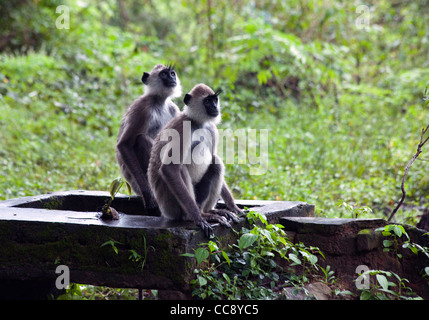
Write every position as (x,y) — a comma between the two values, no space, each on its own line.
(158,120)
(200,159)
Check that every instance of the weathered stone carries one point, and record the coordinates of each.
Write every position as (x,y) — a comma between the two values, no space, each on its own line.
(349,243)
(328,226)
(319,290)
(312,291)
(332,235)
(38,233)
(367,240)
(424,220)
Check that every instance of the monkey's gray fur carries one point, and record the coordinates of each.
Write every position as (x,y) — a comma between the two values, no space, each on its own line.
(187,185)
(140,124)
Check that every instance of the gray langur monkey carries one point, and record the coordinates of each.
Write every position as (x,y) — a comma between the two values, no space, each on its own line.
(140,124)
(185,173)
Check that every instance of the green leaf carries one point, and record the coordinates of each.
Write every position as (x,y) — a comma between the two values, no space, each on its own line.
(225,255)
(246,240)
(112,243)
(312,258)
(265,252)
(134,255)
(201,254)
(397,230)
(294,258)
(413,249)
(382,280)
(387,243)
(366,295)
(226,278)
(213,246)
(201,281)
(115,186)
(128,188)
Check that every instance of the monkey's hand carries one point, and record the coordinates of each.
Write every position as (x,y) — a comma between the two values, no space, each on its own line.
(233,208)
(229,215)
(206,228)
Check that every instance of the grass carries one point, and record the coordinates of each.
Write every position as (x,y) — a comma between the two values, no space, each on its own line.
(59,138)
(61,107)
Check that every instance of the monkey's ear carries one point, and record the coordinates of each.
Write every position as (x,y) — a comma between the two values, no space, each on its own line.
(187,98)
(145,77)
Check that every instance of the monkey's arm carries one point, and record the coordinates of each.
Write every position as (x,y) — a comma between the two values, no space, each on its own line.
(171,174)
(173,109)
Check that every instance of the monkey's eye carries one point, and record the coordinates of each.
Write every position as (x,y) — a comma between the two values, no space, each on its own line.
(209,101)
(172,73)
(163,74)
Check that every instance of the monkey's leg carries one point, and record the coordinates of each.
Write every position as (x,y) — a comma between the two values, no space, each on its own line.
(142,150)
(168,205)
(207,191)
(179,184)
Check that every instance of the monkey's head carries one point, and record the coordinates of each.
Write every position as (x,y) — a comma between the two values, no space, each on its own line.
(162,81)
(202,104)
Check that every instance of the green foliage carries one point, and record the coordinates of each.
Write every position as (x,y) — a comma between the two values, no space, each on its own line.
(355,212)
(113,244)
(116,185)
(138,258)
(328,274)
(258,266)
(89,292)
(388,286)
(393,234)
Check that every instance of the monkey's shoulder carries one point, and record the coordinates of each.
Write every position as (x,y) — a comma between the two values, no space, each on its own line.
(178,121)
(140,106)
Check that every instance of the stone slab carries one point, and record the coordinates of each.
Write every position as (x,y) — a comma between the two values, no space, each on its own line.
(40,232)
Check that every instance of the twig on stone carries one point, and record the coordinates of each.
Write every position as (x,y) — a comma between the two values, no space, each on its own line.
(419,150)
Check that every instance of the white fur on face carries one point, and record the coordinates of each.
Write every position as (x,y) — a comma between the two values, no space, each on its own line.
(197,112)
(155,85)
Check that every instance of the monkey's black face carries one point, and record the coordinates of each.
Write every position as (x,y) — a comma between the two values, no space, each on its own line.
(211,103)
(168,77)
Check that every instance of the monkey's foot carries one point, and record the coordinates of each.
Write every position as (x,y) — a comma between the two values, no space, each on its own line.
(212,217)
(229,215)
